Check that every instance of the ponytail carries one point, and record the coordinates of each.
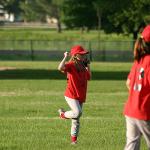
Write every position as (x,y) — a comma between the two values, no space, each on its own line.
(141,48)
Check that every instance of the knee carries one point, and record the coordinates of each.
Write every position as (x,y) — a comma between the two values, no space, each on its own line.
(77,114)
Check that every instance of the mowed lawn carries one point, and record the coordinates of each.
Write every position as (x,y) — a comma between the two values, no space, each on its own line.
(32,92)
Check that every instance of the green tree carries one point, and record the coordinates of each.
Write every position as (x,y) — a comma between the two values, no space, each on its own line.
(133,18)
(11,6)
(128,16)
(101,7)
(53,9)
(105,13)
(32,11)
(79,13)
(39,9)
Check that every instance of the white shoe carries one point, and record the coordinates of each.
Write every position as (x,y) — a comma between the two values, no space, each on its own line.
(61,113)
(74,143)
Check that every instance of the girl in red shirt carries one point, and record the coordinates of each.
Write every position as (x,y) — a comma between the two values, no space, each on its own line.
(137,107)
(78,73)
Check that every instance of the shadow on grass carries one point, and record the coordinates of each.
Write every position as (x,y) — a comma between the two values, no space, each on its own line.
(8,148)
(55,74)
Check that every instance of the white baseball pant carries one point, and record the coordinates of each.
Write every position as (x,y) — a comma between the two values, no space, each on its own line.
(74,114)
(135,128)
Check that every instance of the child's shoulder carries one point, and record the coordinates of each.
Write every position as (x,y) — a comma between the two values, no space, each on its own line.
(70,63)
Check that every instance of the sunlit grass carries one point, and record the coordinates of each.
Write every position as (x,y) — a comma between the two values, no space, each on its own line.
(48,34)
(28,108)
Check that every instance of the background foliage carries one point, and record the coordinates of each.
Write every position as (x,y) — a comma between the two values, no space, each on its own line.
(111,16)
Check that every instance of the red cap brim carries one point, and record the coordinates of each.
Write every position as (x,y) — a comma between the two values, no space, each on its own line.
(83,52)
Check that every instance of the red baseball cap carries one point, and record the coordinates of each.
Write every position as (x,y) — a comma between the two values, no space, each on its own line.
(146,34)
(78,50)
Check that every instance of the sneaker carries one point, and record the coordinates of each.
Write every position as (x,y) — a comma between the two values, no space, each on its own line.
(74,143)
(61,113)
(73,140)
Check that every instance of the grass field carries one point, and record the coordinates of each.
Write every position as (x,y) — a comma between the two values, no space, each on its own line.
(32,92)
(47,39)
(48,34)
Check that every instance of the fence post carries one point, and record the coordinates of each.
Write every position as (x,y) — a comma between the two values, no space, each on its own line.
(31,48)
(13,45)
(104,55)
(90,51)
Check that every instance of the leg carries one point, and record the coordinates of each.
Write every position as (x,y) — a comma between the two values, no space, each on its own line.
(75,114)
(75,130)
(144,127)
(133,135)
(76,109)
(75,125)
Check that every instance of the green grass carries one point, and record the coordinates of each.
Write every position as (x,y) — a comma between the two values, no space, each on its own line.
(32,92)
(47,39)
(48,34)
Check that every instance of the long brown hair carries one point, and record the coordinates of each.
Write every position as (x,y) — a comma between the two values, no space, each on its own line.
(141,48)
(78,64)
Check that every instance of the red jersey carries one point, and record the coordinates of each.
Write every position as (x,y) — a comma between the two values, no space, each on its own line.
(138,104)
(76,82)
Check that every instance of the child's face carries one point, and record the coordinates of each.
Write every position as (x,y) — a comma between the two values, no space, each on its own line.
(81,57)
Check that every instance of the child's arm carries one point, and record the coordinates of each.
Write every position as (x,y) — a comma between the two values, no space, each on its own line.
(61,66)
(128,84)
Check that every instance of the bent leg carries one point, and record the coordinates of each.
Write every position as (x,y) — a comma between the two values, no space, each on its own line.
(76,108)
(75,114)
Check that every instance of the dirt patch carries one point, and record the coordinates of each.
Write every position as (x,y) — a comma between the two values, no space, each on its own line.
(7,68)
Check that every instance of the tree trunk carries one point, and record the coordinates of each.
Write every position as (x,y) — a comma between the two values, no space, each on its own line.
(99,25)
(82,30)
(135,35)
(59,29)
(87,29)
(99,18)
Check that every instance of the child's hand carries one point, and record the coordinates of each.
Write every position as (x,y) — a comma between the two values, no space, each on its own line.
(66,54)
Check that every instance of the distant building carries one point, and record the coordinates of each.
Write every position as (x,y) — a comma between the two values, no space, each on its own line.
(4,16)
(51,20)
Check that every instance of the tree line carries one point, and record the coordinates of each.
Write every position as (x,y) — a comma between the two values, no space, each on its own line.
(120,16)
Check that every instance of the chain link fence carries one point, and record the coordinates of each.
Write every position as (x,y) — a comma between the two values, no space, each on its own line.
(53,50)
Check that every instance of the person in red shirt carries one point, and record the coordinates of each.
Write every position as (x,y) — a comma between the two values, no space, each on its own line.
(78,73)
(137,107)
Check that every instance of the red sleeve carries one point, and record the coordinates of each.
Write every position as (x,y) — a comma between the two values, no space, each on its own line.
(68,67)
(88,74)
(148,76)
